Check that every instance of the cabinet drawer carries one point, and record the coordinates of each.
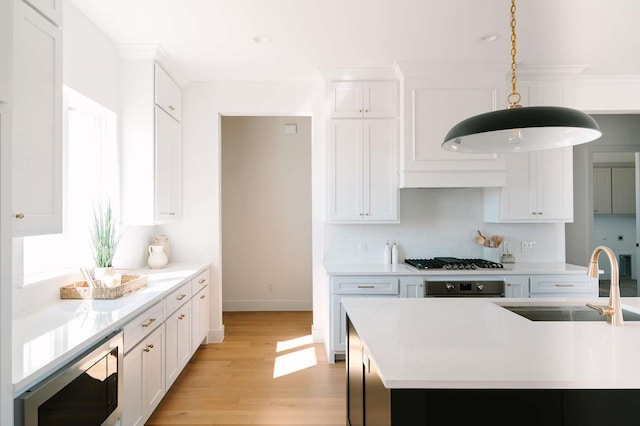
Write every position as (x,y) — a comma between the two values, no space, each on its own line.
(564,285)
(178,298)
(199,282)
(365,285)
(168,94)
(142,325)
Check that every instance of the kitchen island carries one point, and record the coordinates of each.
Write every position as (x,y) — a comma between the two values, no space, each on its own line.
(462,361)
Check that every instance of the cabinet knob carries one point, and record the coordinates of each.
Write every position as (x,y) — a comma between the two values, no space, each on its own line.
(19,215)
(539,212)
(181,317)
(366,110)
(534,213)
(171,108)
(201,281)
(360,110)
(202,297)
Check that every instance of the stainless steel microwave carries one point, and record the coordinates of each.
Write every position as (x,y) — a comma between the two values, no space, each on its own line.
(87,391)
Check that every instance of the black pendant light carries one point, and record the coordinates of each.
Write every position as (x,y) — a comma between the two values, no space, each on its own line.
(520,128)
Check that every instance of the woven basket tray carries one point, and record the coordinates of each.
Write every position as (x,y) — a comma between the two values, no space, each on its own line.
(81,290)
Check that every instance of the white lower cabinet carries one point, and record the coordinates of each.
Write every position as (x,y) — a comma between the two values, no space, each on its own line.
(563,286)
(199,318)
(178,353)
(412,287)
(144,378)
(343,287)
(516,286)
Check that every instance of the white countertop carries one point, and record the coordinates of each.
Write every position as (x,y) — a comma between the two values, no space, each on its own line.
(518,268)
(48,338)
(474,343)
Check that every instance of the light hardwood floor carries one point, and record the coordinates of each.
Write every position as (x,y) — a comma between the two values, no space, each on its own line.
(266,372)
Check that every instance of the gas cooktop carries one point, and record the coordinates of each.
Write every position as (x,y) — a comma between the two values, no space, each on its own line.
(452,263)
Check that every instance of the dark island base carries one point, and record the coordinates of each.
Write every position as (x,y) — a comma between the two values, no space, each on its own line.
(370,403)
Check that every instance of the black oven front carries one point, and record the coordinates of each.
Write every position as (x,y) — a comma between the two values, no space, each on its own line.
(464,288)
(87,391)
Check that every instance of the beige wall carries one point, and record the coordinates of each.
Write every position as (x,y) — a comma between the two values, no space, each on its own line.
(266,214)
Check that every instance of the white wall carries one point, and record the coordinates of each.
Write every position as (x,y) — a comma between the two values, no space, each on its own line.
(266,214)
(606,230)
(439,222)
(198,237)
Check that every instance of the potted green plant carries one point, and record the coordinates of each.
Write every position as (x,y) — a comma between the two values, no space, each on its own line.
(104,241)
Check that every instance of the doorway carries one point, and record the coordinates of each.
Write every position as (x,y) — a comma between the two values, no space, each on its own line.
(266,213)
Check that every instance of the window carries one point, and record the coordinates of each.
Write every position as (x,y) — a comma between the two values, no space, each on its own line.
(90,170)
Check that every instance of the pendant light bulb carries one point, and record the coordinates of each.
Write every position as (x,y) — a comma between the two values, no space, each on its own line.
(521,128)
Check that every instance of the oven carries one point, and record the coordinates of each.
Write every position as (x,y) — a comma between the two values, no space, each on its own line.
(462,287)
(87,391)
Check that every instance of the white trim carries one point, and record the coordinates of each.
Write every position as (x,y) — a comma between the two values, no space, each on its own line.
(152,52)
(216,335)
(266,305)
(353,74)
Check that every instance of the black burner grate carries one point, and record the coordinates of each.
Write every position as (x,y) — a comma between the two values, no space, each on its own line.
(452,263)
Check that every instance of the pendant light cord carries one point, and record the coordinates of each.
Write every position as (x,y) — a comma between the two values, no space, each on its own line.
(514,97)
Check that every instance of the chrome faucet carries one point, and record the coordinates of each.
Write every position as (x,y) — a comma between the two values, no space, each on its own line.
(613,311)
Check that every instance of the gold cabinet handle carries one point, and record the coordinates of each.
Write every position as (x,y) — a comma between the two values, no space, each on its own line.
(182,296)
(151,346)
(148,323)
(171,107)
(172,214)
(19,215)
(539,212)
(201,281)
(564,285)
(181,317)
(366,286)
(146,349)
(202,297)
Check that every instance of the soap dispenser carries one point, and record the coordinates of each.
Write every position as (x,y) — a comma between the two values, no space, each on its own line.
(394,253)
(387,253)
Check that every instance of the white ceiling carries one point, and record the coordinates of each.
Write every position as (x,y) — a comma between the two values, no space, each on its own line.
(213,39)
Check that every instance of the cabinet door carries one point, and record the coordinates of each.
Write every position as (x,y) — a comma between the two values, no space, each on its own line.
(168,167)
(203,313)
(37,120)
(516,201)
(345,99)
(516,287)
(178,343)
(380,99)
(554,184)
(168,94)
(184,336)
(345,170)
(153,370)
(623,190)
(52,9)
(133,411)
(602,190)
(380,188)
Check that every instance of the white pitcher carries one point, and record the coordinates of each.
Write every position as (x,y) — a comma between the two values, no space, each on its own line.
(157,257)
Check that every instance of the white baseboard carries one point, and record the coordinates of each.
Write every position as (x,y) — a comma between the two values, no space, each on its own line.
(266,305)
(216,336)
(317,334)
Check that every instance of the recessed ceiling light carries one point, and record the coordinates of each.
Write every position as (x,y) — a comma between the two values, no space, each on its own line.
(488,38)
(262,39)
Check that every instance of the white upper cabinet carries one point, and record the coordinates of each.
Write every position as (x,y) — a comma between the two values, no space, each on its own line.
(51,9)
(168,94)
(435,98)
(539,188)
(602,190)
(362,171)
(151,141)
(372,99)
(37,124)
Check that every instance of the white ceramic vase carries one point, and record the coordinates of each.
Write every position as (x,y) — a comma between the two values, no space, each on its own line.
(162,240)
(157,257)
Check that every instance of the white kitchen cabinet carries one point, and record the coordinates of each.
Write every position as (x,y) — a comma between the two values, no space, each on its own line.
(435,97)
(178,348)
(37,124)
(50,9)
(563,286)
(412,287)
(348,286)
(539,188)
(362,170)
(352,99)
(614,190)
(200,318)
(516,286)
(151,147)
(144,378)
(168,94)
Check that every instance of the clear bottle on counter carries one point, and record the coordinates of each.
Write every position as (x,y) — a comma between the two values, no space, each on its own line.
(394,253)
(387,253)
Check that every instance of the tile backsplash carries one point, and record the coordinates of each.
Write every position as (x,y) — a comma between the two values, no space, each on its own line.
(439,222)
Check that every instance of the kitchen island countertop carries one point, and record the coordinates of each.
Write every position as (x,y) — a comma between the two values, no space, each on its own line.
(518,268)
(470,343)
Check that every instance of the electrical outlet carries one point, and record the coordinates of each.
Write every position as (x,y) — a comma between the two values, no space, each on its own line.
(529,246)
(362,246)
(270,288)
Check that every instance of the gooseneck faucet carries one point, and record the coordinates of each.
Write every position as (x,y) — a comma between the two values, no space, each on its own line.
(613,311)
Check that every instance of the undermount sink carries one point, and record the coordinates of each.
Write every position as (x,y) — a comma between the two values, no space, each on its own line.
(565,313)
